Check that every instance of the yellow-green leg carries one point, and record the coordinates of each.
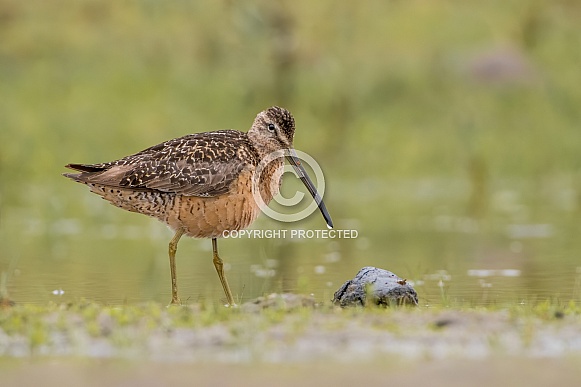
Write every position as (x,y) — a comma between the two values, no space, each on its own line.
(219,265)
(173,247)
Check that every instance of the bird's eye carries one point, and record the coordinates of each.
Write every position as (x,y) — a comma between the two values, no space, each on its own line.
(271,127)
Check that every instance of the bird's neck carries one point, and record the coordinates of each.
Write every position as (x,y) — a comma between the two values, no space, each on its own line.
(263,146)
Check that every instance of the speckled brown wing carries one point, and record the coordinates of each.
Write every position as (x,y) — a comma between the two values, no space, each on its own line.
(201,164)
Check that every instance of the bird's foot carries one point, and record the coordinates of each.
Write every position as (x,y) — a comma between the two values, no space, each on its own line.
(175,302)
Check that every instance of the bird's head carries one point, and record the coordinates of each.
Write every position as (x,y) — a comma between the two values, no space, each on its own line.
(273,129)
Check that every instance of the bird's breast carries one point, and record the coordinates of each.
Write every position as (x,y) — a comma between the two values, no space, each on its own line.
(210,217)
(269,179)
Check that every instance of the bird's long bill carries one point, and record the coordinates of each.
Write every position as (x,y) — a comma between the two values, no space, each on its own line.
(296,163)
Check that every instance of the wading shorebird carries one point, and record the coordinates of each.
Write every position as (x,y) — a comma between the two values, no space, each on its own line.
(203,184)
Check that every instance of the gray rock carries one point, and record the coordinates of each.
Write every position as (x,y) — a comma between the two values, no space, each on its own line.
(384,287)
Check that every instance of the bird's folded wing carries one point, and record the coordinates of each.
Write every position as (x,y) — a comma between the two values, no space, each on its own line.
(203,164)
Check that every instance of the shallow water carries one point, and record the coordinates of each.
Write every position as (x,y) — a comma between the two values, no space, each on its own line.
(117,283)
(63,250)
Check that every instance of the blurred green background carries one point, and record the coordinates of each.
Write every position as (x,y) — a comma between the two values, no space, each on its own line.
(448,132)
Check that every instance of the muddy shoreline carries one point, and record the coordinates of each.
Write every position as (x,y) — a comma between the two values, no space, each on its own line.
(286,342)
(287,332)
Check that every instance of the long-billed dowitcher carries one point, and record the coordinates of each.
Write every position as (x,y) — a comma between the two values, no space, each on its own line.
(203,184)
